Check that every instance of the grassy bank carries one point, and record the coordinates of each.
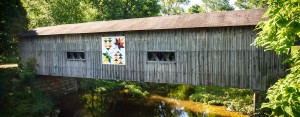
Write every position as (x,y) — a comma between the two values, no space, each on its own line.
(234,99)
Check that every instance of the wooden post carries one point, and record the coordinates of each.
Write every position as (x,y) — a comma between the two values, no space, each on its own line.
(255,96)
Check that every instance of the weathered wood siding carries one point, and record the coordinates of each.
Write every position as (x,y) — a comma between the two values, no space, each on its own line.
(204,56)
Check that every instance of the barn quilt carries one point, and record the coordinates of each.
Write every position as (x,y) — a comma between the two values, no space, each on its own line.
(113,50)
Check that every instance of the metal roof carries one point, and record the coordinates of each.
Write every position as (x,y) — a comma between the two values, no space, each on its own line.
(214,19)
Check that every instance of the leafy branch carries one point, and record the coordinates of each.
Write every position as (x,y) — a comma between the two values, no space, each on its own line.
(279,33)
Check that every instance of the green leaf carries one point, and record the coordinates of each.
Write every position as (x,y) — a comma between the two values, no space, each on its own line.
(296,107)
(268,105)
(289,110)
(279,97)
(290,90)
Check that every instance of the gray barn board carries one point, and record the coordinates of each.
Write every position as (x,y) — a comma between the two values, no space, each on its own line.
(210,49)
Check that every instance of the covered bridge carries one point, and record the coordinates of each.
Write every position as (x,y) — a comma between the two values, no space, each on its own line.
(198,49)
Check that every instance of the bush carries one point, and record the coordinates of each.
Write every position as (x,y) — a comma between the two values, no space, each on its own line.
(215,102)
(181,92)
(8,59)
(18,98)
(233,98)
(98,85)
(284,97)
(136,91)
(27,103)
(27,73)
(6,75)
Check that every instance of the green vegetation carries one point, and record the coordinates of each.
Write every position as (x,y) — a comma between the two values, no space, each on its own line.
(53,12)
(98,85)
(233,98)
(196,9)
(136,91)
(17,96)
(279,33)
(27,103)
(173,7)
(13,22)
(217,5)
(181,92)
(131,89)
(251,4)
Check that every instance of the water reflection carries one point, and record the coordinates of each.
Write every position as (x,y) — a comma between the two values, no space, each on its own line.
(110,105)
(161,107)
(179,111)
(101,105)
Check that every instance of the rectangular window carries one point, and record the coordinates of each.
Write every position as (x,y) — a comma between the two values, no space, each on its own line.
(75,56)
(161,56)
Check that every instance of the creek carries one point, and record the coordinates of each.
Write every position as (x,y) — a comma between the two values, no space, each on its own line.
(116,104)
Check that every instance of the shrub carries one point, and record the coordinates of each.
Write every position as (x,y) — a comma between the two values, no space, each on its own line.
(181,92)
(27,73)
(98,85)
(27,103)
(233,98)
(19,98)
(136,91)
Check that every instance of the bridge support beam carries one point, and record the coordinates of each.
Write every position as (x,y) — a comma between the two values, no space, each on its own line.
(55,86)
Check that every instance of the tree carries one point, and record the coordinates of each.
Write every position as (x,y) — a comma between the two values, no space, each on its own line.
(251,4)
(141,8)
(173,7)
(196,9)
(52,12)
(124,9)
(66,11)
(279,33)
(37,13)
(13,22)
(217,5)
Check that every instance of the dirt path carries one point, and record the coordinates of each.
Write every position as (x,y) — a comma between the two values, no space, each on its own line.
(8,66)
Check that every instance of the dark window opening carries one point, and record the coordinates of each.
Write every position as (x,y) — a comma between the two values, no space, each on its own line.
(75,56)
(161,56)
(296,47)
(297,41)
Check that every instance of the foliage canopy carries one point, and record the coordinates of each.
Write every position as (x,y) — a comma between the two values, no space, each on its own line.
(13,21)
(173,7)
(279,33)
(217,5)
(196,9)
(251,4)
(53,12)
